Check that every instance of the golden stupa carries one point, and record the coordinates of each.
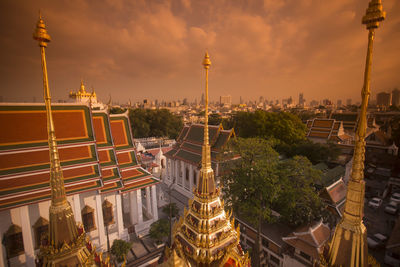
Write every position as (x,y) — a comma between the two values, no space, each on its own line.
(349,245)
(205,235)
(66,244)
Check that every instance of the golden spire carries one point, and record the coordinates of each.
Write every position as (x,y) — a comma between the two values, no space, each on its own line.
(350,233)
(67,245)
(206,183)
(205,235)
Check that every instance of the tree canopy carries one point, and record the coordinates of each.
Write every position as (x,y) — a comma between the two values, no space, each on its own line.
(157,123)
(159,230)
(259,183)
(282,126)
(120,248)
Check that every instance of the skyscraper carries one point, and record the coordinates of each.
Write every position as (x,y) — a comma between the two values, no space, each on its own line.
(396,97)
(383,99)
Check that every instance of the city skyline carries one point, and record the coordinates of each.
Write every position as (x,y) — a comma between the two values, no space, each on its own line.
(151,50)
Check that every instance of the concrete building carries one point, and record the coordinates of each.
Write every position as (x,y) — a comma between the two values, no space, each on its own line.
(396,97)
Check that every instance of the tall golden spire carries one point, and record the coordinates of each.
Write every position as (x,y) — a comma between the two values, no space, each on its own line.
(206,183)
(349,246)
(205,235)
(67,244)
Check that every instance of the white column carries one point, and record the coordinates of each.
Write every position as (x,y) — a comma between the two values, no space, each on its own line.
(139,205)
(133,206)
(120,220)
(190,178)
(27,236)
(77,208)
(148,204)
(100,221)
(154,202)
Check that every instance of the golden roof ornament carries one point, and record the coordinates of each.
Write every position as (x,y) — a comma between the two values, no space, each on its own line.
(349,246)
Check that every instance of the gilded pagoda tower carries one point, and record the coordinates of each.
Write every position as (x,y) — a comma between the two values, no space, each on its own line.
(348,246)
(66,244)
(205,235)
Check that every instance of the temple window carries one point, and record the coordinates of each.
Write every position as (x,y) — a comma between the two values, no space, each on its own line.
(88,218)
(41,230)
(13,241)
(179,169)
(108,215)
(187,174)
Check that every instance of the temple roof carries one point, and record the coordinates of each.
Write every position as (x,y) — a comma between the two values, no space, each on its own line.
(309,239)
(24,154)
(328,129)
(190,140)
(96,152)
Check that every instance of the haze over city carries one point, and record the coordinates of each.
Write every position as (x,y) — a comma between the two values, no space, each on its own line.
(153,49)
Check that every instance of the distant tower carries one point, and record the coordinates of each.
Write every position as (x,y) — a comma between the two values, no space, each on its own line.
(396,97)
(302,101)
(67,244)
(202,100)
(349,243)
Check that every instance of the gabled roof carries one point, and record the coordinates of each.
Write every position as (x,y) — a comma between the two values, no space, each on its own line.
(309,239)
(190,140)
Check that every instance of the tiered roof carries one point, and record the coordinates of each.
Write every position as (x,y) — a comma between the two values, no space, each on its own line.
(328,129)
(24,152)
(189,142)
(132,174)
(309,239)
(96,152)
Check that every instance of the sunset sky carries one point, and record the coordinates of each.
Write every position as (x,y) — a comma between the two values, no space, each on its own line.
(154,49)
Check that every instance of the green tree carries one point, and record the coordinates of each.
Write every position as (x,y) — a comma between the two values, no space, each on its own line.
(159,230)
(157,123)
(299,202)
(315,152)
(283,126)
(251,185)
(120,248)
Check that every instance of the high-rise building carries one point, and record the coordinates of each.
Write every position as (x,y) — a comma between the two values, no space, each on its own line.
(202,100)
(348,102)
(302,101)
(396,97)
(339,103)
(383,99)
(225,101)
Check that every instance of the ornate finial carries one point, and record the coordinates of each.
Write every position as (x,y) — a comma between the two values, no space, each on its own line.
(82,88)
(350,233)
(206,61)
(40,33)
(374,14)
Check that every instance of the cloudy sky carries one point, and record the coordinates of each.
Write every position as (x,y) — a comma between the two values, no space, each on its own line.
(136,49)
